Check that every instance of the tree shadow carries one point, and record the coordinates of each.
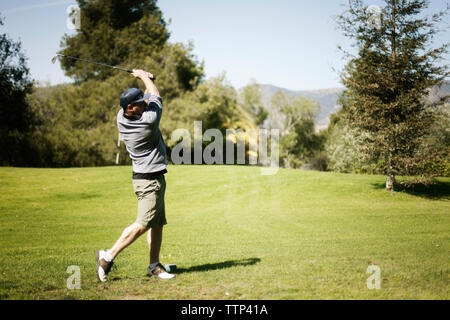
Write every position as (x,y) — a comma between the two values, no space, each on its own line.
(439,190)
(218,265)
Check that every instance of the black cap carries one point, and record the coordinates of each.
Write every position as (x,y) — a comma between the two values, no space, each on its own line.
(132,96)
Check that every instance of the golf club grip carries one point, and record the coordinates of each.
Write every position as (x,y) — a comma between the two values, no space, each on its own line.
(130,71)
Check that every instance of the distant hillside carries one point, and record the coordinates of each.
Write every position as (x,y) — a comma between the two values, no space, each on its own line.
(327,98)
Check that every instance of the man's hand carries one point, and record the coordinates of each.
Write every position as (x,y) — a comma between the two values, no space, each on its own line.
(141,74)
(147,78)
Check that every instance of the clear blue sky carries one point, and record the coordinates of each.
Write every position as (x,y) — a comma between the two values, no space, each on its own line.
(288,43)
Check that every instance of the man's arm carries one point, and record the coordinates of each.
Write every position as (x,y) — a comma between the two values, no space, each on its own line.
(146,78)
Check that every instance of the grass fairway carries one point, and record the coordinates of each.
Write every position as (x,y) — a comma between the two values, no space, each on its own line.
(233,233)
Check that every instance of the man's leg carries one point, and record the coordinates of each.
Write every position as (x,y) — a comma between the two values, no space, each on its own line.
(128,236)
(105,258)
(154,239)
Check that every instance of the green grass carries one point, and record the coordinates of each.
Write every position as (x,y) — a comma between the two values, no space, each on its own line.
(233,233)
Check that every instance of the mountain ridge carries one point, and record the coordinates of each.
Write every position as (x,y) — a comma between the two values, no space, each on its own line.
(327,98)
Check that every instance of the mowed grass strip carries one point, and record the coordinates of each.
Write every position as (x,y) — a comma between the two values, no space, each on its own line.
(233,233)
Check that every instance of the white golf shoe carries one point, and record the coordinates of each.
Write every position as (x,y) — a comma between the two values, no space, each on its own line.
(103,267)
(160,272)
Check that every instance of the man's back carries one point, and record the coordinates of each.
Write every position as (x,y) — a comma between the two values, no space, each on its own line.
(143,138)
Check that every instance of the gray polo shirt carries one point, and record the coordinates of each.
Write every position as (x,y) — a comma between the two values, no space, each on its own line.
(143,138)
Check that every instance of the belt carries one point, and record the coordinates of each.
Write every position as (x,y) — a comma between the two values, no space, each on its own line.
(149,175)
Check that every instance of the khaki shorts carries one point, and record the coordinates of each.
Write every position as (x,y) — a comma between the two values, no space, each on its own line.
(150,194)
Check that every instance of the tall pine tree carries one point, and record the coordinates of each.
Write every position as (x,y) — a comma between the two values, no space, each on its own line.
(389,77)
(115,33)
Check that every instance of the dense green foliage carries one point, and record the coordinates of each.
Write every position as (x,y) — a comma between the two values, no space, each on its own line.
(80,129)
(16,119)
(214,102)
(388,79)
(345,148)
(79,121)
(116,33)
(251,100)
(435,148)
(299,144)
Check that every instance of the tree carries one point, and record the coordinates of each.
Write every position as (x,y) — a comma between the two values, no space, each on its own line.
(251,102)
(79,127)
(214,103)
(343,147)
(435,150)
(132,34)
(389,77)
(295,118)
(116,33)
(177,69)
(17,119)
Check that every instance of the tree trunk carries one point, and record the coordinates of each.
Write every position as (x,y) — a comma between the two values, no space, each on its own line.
(390,177)
(390,180)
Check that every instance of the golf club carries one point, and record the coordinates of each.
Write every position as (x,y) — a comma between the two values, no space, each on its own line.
(94,62)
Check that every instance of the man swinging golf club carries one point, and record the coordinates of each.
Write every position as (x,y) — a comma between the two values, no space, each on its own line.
(138,123)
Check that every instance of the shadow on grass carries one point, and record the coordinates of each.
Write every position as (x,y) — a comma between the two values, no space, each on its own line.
(75,196)
(437,191)
(219,265)
(199,268)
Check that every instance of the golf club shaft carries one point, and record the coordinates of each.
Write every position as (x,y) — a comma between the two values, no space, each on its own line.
(98,63)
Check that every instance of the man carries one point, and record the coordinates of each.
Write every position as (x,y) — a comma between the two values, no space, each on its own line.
(138,123)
